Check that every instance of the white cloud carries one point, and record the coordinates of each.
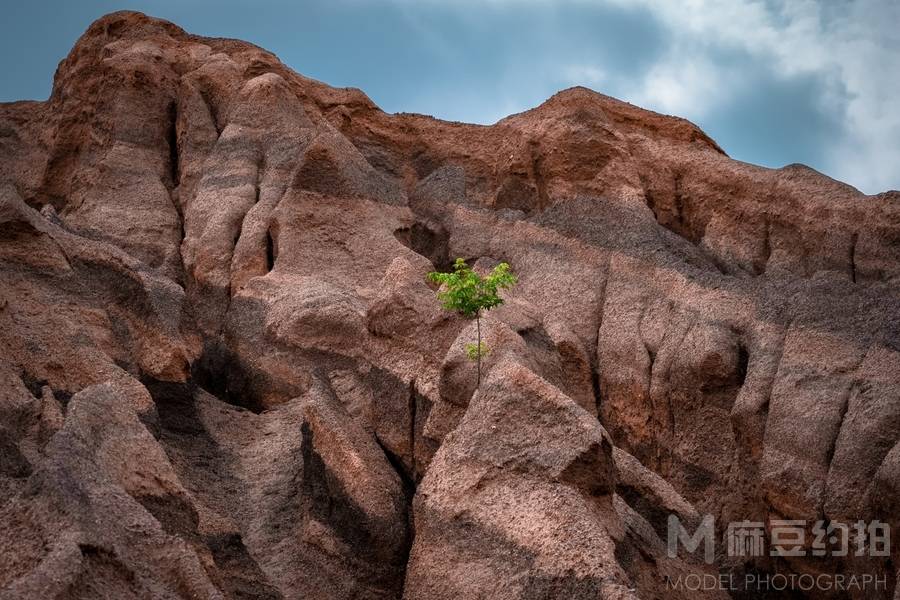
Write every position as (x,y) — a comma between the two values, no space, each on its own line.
(683,84)
(855,47)
(692,81)
(852,46)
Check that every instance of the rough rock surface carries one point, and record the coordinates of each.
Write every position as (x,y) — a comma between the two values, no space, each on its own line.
(223,374)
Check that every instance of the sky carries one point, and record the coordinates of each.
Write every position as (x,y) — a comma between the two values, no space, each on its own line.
(774,82)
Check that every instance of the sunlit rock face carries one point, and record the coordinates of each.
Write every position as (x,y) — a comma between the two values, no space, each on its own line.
(224,375)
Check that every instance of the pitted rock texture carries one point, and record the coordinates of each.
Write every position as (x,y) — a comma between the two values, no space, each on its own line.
(224,375)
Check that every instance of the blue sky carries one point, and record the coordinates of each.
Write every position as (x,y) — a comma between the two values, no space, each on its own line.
(773,81)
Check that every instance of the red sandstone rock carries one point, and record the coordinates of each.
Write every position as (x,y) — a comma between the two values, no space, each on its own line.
(189,229)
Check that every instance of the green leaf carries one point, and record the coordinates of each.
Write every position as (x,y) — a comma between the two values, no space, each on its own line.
(466,292)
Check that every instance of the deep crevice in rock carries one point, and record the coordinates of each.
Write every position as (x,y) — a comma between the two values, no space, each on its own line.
(33,384)
(35,387)
(271,251)
(412,409)
(595,384)
(213,111)
(743,363)
(676,212)
(172,139)
(832,447)
(221,373)
(205,469)
(409,485)
(432,243)
(174,175)
(517,192)
(329,502)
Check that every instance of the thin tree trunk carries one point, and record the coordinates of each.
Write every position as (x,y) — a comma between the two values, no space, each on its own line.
(478,325)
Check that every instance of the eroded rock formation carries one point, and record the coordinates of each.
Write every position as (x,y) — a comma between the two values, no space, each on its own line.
(223,374)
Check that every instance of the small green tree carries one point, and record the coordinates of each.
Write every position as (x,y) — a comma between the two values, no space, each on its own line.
(468,293)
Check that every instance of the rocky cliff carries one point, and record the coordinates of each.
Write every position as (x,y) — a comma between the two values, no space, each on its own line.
(224,375)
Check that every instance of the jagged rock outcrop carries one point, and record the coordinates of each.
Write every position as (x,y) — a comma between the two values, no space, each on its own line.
(223,373)
(520,502)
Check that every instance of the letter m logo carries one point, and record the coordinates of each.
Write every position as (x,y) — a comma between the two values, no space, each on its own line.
(705,534)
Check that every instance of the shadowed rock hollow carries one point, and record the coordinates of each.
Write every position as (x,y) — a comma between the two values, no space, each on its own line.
(223,374)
